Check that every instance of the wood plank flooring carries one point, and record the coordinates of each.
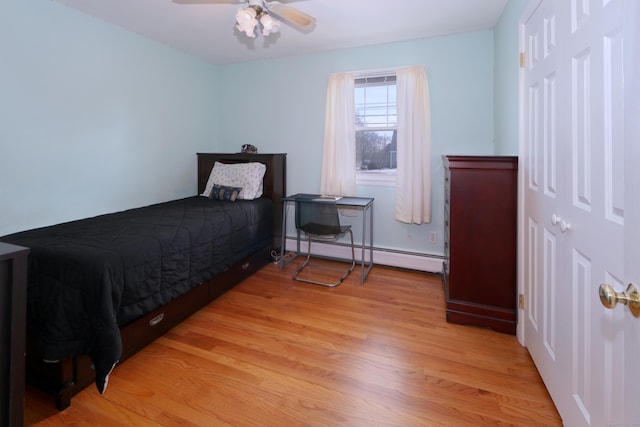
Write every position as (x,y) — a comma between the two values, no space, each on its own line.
(274,352)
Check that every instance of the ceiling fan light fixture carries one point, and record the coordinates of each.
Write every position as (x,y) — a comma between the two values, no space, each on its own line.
(269,25)
(246,20)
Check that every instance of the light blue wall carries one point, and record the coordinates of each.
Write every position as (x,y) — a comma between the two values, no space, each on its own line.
(279,106)
(507,63)
(94,119)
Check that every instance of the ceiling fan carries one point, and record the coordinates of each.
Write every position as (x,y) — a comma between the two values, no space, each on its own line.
(255,11)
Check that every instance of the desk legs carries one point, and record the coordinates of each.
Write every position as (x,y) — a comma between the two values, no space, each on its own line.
(364,273)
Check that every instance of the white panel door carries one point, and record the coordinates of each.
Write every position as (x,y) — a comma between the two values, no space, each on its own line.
(573,226)
(632,209)
(545,89)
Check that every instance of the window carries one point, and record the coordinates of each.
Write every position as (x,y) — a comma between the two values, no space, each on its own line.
(376,124)
(399,116)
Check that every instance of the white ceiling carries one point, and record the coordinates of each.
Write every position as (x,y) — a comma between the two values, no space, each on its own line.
(206,30)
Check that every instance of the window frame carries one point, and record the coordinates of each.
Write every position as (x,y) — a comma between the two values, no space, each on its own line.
(386,178)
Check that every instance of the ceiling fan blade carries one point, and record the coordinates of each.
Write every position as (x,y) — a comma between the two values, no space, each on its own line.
(215,1)
(209,1)
(291,14)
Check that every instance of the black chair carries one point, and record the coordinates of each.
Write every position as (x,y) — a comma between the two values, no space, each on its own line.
(319,221)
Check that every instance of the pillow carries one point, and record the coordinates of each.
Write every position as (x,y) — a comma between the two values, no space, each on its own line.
(222,192)
(248,176)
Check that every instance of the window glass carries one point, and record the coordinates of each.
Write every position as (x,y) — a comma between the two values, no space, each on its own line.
(375,119)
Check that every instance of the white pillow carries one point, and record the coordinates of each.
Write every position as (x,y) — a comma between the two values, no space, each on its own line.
(246,175)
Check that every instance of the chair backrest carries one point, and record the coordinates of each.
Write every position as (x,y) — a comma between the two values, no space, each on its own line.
(318,217)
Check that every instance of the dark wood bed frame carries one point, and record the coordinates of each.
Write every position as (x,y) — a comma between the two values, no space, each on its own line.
(67,377)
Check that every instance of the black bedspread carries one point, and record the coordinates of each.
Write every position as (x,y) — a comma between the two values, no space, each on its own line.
(88,277)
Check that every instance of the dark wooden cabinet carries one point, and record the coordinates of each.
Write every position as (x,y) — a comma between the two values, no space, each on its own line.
(480,268)
(13,309)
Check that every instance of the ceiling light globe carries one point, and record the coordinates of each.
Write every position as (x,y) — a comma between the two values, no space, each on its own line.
(246,20)
(269,25)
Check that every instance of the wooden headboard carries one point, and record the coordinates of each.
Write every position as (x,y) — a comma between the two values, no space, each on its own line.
(275,180)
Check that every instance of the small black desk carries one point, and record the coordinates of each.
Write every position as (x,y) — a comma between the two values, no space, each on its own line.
(362,204)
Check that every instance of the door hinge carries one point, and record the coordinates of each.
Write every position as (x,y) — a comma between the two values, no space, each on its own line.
(523,59)
(521,301)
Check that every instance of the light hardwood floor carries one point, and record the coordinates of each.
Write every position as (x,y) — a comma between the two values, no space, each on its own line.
(274,352)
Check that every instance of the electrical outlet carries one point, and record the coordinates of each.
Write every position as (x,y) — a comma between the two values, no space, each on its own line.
(433,237)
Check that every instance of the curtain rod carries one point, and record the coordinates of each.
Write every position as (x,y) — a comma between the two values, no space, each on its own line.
(377,71)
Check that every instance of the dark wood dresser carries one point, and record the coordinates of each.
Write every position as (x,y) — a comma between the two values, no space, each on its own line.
(480,221)
(13,311)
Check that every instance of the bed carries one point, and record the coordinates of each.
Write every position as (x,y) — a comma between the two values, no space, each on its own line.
(102,288)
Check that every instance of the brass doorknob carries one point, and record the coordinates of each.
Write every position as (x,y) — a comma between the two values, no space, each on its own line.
(631,298)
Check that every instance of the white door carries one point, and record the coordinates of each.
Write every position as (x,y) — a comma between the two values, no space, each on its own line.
(573,163)
(632,209)
(542,189)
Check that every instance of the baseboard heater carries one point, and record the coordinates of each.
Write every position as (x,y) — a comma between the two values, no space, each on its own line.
(391,257)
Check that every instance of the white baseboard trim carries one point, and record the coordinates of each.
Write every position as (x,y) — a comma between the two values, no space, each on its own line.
(391,257)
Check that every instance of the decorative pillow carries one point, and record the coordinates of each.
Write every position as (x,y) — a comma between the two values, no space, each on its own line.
(222,192)
(248,176)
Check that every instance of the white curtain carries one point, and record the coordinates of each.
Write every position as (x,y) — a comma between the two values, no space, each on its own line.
(413,182)
(339,154)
